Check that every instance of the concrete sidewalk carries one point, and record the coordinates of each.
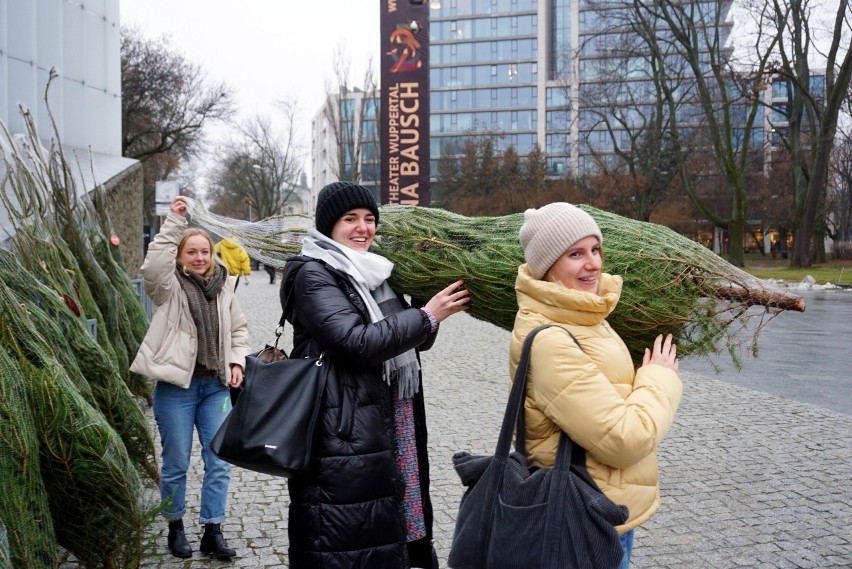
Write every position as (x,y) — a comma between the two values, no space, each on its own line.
(748,479)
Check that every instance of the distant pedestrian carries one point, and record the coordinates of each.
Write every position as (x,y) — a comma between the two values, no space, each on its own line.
(235,259)
(591,391)
(195,348)
(366,503)
(270,270)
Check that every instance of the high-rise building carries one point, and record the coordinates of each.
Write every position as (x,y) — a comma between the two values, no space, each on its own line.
(345,141)
(488,74)
(527,71)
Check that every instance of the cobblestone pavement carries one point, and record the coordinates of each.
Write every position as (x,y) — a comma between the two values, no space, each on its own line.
(749,479)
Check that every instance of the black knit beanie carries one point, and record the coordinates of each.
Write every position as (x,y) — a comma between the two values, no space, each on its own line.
(337,198)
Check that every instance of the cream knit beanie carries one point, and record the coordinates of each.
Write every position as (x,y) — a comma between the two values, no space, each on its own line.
(548,231)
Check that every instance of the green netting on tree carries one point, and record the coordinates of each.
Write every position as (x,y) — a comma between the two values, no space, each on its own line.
(110,259)
(671,283)
(41,195)
(134,312)
(28,540)
(131,315)
(84,360)
(52,264)
(47,344)
(104,295)
(43,254)
(132,320)
(95,492)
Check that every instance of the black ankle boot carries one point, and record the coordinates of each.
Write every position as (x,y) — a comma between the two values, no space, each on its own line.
(213,543)
(177,540)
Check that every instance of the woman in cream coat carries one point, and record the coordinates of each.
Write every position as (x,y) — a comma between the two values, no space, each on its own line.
(619,414)
(195,348)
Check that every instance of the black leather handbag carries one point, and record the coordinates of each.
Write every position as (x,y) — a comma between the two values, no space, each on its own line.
(272,426)
(515,515)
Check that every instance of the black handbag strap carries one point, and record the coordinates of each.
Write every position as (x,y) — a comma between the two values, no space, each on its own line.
(520,431)
(279,330)
(514,416)
(513,420)
(568,455)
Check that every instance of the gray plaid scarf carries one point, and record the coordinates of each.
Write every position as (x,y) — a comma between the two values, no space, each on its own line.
(369,273)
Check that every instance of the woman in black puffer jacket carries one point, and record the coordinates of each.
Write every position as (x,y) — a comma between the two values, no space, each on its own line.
(366,502)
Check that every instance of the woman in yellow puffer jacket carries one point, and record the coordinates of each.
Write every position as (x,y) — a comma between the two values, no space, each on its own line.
(619,414)
(235,259)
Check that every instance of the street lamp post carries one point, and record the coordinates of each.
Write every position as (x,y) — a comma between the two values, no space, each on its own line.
(259,168)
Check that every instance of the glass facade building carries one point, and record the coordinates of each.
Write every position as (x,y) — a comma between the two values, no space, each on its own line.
(348,134)
(486,74)
(526,71)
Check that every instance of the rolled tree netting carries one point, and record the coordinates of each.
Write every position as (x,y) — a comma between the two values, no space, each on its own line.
(671,283)
(94,491)
(87,364)
(28,540)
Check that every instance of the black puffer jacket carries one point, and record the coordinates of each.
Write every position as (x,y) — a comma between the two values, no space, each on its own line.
(348,513)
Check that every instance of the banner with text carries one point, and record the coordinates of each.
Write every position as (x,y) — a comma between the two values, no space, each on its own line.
(404,129)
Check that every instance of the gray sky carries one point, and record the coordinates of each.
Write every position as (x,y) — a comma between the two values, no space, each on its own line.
(268,50)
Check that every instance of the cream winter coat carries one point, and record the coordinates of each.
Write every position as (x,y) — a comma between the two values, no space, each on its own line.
(170,346)
(618,414)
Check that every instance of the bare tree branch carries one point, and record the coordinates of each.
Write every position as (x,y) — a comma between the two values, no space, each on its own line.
(256,175)
(166,102)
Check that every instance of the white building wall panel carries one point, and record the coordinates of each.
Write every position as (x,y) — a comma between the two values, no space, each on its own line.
(82,41)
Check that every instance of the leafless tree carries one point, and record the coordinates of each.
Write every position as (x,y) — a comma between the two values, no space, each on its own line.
(475,177)
(626,119)
(256,173)
(166,101)
(814,105)
(721,91)
(839,220)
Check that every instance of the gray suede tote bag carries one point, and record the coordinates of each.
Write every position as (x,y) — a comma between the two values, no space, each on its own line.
(513,515)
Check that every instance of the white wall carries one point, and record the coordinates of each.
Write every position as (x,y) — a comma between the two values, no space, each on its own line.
(82,39)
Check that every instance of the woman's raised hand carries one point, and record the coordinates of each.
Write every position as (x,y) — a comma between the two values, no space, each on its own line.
(664,353)
(179,206)
(449,301)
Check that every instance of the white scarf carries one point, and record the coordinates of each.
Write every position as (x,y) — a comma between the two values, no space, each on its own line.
(369,273)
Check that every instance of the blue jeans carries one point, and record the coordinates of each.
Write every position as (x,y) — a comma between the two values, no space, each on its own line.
(626,546)
(203,406)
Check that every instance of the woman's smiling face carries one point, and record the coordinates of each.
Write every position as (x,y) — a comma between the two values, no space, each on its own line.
(579,267)
(196,254)
(355,229)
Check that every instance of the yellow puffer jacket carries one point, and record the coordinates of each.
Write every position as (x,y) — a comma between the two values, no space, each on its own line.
(618,414)
(233,257)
